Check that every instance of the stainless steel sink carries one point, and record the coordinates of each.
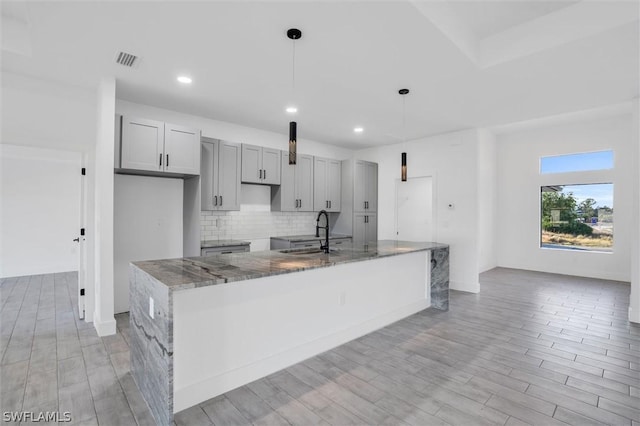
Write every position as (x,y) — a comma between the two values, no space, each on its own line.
(315,250)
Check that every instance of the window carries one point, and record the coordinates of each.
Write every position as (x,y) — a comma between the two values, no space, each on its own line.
(581,162)
(577,217)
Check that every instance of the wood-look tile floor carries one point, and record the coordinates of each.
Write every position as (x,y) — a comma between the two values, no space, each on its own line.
(530,348)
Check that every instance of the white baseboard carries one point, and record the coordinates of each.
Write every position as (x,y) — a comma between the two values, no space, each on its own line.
(104,328)
(460,286)
(195,393)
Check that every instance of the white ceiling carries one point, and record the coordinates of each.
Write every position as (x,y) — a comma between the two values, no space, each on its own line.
(486,18)
(351,61)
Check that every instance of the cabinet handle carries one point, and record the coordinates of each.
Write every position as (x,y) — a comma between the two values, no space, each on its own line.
(264,174)
(221,200)
(329,203)
(215,200)
(299,202)
(160,160)
(167,160)
(226,252)
(259,173)
(366,219)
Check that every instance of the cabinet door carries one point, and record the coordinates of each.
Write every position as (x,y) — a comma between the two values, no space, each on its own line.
(359,229)
(142,144)
(334,182)
(181,150)
(251,163)
(372,228)
(320,184)
(304,182)
(228,176)
(372,187)
(271,166)
(208,167)
(288,197)
(359,186)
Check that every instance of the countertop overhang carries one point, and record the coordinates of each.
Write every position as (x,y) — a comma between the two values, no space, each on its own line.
(193,272)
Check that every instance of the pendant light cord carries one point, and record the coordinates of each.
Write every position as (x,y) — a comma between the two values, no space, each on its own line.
(404,124)
(293,68)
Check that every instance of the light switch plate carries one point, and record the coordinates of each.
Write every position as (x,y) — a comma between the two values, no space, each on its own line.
(151,313)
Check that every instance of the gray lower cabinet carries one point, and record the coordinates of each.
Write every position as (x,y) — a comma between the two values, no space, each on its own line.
(327,184)
(220,178)
(224,250)
(260,165)
(365,228)
(155,146)
(295,193)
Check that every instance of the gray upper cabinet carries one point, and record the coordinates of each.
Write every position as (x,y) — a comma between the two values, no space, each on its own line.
(365,193)
(142,144)
(220,178)
(260,165)
(181,150)
(295,193)
(154,146)
(327,184)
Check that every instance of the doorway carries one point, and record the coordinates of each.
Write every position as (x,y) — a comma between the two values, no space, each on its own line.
(414,209)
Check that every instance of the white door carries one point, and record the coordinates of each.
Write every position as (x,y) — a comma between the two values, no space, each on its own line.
(414,209)
(82,257)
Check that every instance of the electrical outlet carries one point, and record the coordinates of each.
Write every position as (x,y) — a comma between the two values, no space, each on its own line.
(151,308)
(343,298)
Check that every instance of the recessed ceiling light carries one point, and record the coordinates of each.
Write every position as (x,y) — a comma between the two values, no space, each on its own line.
(358,129)
(184,79)
(291,110)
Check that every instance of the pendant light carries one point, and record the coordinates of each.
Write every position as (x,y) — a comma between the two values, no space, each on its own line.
(294,34)
(403,157)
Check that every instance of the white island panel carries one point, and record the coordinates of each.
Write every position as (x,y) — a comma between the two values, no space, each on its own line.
(231,334)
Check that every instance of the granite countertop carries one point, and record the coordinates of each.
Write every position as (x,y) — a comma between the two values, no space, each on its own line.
(193,272)
(297,238)
(223,243)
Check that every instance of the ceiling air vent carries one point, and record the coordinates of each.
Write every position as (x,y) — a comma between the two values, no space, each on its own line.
(126,59)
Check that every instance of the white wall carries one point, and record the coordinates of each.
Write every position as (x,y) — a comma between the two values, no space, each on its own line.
(519,182)
(147,225)
(634,305)
(232,132)
(451,160)
(487,200)
(39,210)
(47,114)
(254,220)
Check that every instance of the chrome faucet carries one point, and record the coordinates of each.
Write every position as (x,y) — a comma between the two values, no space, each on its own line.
(324,247)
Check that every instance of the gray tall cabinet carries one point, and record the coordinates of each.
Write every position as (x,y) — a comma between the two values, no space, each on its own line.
(295,192)
(359,216)
(327,185)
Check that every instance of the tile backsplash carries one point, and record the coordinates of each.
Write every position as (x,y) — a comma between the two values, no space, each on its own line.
(250,224)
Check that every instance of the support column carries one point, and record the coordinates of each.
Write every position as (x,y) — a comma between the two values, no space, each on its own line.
(103,319)
(634,302)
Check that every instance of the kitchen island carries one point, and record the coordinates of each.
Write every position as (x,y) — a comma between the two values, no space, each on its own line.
(202,326)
